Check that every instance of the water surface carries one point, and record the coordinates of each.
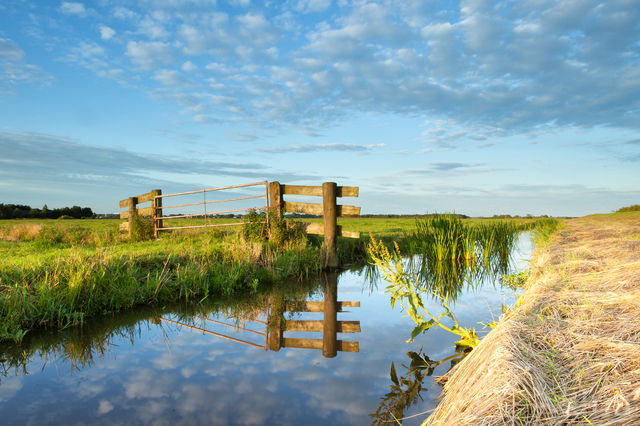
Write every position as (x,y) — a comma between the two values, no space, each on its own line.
(142,367)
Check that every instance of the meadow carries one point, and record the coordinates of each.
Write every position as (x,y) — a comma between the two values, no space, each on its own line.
(57,273)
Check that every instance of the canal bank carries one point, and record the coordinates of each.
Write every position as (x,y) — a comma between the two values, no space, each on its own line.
(568,352)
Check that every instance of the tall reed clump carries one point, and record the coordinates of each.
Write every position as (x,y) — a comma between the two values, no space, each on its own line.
(447,252)
(447,238)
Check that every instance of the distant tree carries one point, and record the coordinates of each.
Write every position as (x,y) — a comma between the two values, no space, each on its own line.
(87,212)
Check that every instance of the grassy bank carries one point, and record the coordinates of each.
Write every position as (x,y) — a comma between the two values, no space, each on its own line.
(568,352)
(57,273)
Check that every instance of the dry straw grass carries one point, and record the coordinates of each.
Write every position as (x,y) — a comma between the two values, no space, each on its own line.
(569,352)
(22,232)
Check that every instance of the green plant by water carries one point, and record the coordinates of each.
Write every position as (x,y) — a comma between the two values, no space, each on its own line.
(403,288)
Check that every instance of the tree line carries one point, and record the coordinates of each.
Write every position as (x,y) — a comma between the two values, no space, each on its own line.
(18,211)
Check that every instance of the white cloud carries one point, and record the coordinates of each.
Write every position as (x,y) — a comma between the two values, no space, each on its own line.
(487,64)
(105,407)
(148,55)
(106,33)
(89,55)
(240,3)
(309,6)
(152,28)
(189,66)
(169,78)
(122,12)
(73,8)
(14,69)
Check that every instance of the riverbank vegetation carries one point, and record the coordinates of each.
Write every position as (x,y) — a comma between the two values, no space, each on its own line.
(568,352)
(57,273)
(53,275)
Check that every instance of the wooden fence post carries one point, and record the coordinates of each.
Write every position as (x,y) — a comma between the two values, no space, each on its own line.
(329,208)
(156,204)
(275,195)
(133,213)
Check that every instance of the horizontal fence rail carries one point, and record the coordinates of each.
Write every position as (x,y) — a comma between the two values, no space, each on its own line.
(158,212)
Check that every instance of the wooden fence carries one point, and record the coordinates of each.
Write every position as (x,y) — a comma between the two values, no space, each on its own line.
(328,209)
(274,194)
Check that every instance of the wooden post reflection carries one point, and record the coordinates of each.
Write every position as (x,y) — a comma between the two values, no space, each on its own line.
(330,323)
(274,320)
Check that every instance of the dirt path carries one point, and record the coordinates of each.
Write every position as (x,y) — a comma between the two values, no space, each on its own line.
(569,352)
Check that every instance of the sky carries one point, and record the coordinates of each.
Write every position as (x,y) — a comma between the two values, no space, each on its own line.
(478,107)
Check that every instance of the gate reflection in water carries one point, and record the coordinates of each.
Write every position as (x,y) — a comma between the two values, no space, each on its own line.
(273,323)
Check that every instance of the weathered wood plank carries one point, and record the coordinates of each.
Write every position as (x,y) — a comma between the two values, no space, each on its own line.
(145,197)
(348,211)
(302,190)
(317,209)
(275,196)
(348,234)
(317,325)
(316,191)
(343,346)
(330,219)
(318,229)
(312,306)
(307,208)
(347,346)
(348,191)
(313,228)
(124,226)
(141,199)
(145,211)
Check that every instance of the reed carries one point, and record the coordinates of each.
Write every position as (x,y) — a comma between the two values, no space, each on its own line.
(447,252)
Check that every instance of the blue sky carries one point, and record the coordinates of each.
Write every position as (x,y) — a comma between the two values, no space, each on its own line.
(478,107)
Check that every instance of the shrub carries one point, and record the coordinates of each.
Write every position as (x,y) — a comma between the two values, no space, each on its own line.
(633,208)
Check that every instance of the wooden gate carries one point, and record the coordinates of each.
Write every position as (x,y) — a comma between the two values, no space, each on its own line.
(157,210)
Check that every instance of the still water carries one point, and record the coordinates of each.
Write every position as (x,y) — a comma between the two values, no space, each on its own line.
(320,361)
